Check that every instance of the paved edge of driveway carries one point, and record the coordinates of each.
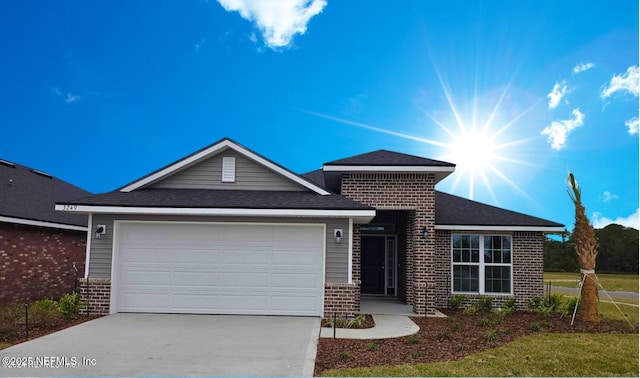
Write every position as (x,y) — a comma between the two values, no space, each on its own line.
(387,327)
(310,358)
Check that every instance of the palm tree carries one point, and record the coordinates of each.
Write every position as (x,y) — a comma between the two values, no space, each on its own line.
(587,250)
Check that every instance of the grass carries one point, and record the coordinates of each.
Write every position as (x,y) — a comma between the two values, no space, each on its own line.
(540,355)
(4,345)
(611,282)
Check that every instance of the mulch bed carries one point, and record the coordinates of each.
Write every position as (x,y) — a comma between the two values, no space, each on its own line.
(452,338)
(368,322)
(19,334)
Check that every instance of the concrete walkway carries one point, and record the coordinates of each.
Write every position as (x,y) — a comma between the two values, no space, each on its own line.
(390,315)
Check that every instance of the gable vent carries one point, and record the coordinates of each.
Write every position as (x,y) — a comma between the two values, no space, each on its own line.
(229,169)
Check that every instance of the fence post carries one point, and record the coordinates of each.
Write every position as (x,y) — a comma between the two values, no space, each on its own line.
(26,319)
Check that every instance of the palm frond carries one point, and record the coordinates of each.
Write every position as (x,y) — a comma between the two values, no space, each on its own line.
(574,190)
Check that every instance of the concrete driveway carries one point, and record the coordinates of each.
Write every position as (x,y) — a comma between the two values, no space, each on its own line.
(164,344)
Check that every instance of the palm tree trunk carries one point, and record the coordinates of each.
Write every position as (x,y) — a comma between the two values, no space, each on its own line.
(588,307)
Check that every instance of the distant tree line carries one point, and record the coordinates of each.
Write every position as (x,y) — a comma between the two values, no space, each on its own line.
(617,252)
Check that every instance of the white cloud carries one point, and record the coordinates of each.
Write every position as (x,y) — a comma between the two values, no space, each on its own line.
(69,98)
(608,196)
(583,67)
(278,20)
(632,220)
(558,131)
(626,82)
(556,94)
(633,125)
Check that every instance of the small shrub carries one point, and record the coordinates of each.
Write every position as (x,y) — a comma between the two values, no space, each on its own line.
(484,303)
(372,346)
(450,319)
(441,336)
(455,302)
(415,354)
(344,355)
(356,322)
(11,315)
(535,303)
(535,327)
(44,313)
(456,326)
(490,336)
(460,348)
(69,305)
(413,340)
(490,322)
(509,307)
(568,307)
(471,310)
(484,322)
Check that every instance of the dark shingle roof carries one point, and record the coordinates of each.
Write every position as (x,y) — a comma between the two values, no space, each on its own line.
(229,199)
(29,194)
(454,210)
(389,158)
(316,177)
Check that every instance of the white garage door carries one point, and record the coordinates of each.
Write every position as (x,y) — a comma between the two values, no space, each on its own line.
(219,268)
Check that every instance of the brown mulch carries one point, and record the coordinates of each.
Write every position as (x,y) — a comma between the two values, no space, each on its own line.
(368,322)
(446,339)
(19,335)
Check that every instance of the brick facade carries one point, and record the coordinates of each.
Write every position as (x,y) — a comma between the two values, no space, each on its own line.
(95,296)
(527,268)
(341,299)
(37,262)
(404,191)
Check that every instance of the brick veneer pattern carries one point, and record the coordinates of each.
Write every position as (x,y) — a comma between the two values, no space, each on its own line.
(404,191)
(95,296)
(527,269)
(341,299)
(37,262)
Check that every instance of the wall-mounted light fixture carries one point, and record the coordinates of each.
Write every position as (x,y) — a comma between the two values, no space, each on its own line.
(425,232)
(101,230)
(337,234)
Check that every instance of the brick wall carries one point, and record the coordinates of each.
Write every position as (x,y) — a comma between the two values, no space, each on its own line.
(527,269)
(341,299)
(527,266)
(95,295)
(37,262)
(404,191)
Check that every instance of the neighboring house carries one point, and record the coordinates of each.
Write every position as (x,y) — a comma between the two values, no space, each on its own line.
(38,245)
(228,231)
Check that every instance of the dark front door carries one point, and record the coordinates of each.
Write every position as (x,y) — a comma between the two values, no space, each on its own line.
(372,261)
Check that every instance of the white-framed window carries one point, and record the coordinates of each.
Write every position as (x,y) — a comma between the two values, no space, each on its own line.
(481,264)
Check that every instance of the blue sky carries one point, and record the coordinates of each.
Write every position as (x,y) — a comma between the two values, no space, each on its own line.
(99,93)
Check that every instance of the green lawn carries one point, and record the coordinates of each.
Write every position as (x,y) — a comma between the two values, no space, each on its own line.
(540,355)
(613,282)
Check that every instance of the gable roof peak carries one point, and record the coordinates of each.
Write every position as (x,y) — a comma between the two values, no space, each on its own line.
(211,150)
(384,157)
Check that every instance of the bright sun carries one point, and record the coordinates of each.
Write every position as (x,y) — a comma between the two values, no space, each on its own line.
(477,145)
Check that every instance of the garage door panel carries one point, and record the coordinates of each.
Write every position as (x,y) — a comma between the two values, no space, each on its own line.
(286,280)
(245,280)
(195,278)
(220,268)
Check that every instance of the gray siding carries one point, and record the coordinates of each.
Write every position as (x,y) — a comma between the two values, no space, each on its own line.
(208,175)
(336,256)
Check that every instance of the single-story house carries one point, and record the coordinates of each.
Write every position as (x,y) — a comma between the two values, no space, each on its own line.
(38,245)
(225,230)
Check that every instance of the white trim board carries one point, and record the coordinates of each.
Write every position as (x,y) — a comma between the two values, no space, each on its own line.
(30,222)
(499,228)
(207,152)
